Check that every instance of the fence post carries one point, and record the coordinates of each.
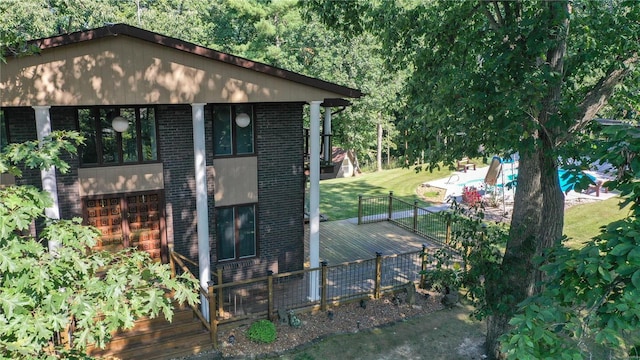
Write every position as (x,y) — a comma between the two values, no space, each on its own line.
(270,294)
(390,212)
(447,239)
(415,216)
(172,264)
(213,318)
(378,283)
(359,209)
(220,293)
(323,289)
(423,267)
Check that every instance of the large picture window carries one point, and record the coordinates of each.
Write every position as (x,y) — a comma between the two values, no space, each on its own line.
(236,232)
(233,130)
(106,146)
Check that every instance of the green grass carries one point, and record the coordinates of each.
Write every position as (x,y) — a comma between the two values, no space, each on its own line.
(582,222)
(339,197)
(339,200)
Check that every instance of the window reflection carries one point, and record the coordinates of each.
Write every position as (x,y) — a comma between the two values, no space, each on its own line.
(105,146)
(229,138)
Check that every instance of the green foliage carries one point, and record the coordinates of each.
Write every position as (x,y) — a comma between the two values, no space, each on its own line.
(472,259)
(43,293)
(590,294)
(262,331)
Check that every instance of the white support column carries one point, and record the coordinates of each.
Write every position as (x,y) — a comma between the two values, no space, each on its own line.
(314,201)
(202,213)
(48,176)
(326,129)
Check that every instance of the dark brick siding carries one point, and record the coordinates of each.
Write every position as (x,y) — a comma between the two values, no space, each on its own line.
(281,184)
(279,146)
(176,152)
(22,127)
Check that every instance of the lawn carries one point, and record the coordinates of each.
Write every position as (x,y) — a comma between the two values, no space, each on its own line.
(444,334)
(339,197)
(582,222)
(339,200)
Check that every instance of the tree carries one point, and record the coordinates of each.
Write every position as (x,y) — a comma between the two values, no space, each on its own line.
(44,294)
(589,298)
(512,77)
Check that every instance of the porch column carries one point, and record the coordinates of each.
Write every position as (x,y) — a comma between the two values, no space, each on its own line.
(48,176)
(326,129)
(202,213)
(314,201)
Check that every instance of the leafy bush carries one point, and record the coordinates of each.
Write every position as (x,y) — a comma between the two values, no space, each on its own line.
(43,293)
(471,196)
(262,331)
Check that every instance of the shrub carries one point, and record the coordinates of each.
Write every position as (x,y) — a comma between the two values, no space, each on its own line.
(471,196)
(262,331)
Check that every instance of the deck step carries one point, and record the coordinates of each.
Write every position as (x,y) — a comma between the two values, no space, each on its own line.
(158,339)
(164,349)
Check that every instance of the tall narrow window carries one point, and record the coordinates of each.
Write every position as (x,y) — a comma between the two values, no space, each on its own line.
(88,129)
(109,138)
(106,146)
(148,134)
(233,130)
(4,138)
(130,137)
(244,134)
(236,232)
(222,136)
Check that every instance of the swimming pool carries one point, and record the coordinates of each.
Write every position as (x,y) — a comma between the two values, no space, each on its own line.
(567,181)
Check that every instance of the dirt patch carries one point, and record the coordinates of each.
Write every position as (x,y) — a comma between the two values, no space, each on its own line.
(386,328)
(431,193)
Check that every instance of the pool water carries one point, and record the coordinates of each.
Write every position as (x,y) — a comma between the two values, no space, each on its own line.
(567,182)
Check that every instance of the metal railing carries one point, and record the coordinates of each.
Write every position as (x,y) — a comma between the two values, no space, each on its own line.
(434,226)
(267,296)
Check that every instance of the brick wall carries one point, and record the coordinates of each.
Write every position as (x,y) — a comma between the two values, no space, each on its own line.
(281,185)
(279,146)
(176,152)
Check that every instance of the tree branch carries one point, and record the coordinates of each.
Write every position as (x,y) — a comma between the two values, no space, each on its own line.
(499,19)
(598,96)
(492,21)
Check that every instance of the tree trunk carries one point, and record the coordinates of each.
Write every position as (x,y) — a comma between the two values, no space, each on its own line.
(379,148)
(538,214)
(517,278)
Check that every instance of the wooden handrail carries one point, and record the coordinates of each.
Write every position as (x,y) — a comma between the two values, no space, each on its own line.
(178,260)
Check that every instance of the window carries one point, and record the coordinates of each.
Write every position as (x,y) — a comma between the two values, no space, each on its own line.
(232,137)
(236,232)
(4,137)
(105,146)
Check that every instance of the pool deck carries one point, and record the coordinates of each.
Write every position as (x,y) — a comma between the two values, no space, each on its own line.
(457,180)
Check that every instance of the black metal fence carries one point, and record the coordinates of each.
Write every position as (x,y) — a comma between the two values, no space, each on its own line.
(309,289)
(435,226)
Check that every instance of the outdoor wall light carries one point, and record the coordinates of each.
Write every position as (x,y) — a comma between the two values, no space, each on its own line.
(119,124)
(243,120)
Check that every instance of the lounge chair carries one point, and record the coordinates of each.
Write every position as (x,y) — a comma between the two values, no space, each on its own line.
(465,163)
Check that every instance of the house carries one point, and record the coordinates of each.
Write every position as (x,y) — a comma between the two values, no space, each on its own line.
(342,164)
(187,148)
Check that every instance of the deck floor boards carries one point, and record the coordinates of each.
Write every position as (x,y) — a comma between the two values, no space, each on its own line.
(343,241)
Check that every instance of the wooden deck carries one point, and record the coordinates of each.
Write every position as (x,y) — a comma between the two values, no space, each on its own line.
(344,241)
